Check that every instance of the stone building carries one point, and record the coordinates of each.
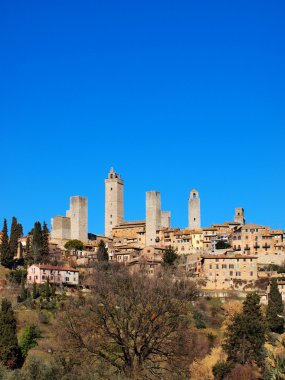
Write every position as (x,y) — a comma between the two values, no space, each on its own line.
(132,233)
(194,217)
(228,270)
(256,239)
(75,224)
(114,201)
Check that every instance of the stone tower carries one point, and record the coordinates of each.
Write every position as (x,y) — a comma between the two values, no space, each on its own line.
(194,218)
(165,219)
(114,201)
(153,216)
(239,215)
(78,218)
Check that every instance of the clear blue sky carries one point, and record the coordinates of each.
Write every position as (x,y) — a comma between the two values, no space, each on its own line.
(174,95)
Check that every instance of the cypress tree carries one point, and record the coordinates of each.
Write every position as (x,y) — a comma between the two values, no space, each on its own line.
(16,233)
(245,336)
(7,258)
(102,252)
(37,242)
(10,354)
(24,293)
(45,242)
(169,256)
(275,309)
(28,253)
(35,291)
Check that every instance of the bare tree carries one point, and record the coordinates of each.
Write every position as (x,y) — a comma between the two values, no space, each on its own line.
(134,324)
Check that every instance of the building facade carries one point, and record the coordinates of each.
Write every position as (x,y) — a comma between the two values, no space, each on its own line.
(39,274)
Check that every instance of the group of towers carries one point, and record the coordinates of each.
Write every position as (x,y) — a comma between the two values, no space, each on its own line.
(155,217)
(75,224)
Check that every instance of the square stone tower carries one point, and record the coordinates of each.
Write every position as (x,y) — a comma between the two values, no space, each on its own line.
(239,215)
(194,213)
(114,201)
(78,218)
(153,216)
(165,219)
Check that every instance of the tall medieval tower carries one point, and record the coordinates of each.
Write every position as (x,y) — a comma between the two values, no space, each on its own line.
(194,218)
(114,201)
(78,214)
(153,216)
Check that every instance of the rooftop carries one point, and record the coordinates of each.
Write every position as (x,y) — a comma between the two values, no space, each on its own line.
(54,267)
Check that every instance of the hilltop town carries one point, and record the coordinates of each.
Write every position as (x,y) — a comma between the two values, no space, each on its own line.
(144,300)
(229,256)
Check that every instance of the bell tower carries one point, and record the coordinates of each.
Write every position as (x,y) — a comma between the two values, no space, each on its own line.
(114,201)
(194,217)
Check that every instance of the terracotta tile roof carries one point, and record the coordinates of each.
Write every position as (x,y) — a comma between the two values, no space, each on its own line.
(228,257)
(54,267)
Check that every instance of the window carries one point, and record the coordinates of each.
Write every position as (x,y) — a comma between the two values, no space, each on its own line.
(217,266)
(251,273)
(224,266)
(43,277)
(66,278)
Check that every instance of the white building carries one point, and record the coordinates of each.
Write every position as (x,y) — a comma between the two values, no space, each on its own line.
(39,273)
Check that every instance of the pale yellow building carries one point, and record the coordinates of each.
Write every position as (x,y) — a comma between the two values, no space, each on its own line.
(228,271)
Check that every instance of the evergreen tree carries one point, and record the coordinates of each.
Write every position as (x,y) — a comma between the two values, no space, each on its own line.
(169,256)
(15,234)
(28,258)
(275,309)
(74,244)
(245,336)
(7,258)
(35,291)
(37,242)
(45,242)
(10,354)
(102,254)
(24,291)
(28,339)
(47,289)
